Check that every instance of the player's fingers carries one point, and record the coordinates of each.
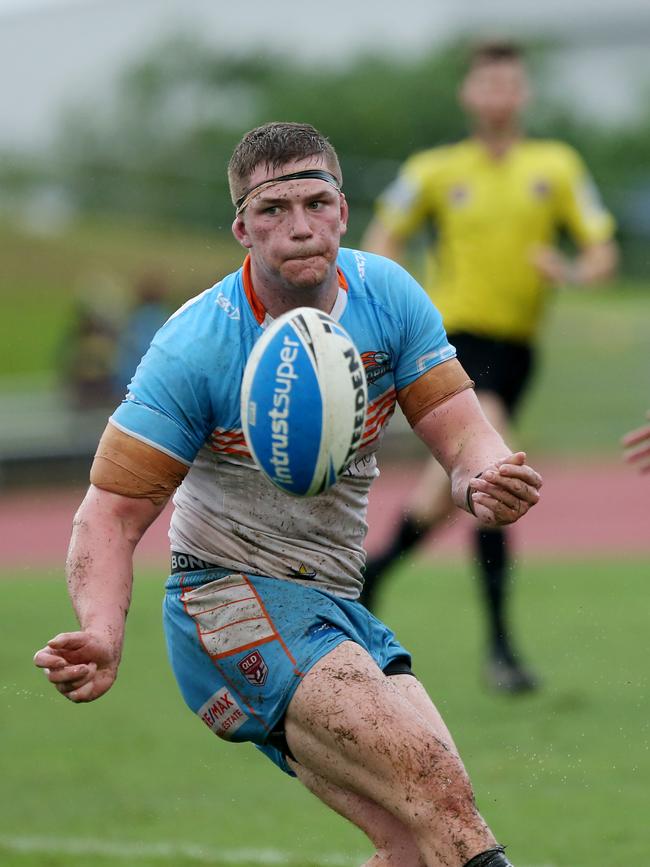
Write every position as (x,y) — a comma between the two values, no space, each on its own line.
(69,641)
(95,687)
(516,458)
(45,658)
(523,472)
(491,511)
(636,436)
(71,674)
(507,488)
(638,454)
(499,493)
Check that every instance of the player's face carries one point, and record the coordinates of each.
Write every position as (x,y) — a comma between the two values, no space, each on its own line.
(495,93)
(293,229)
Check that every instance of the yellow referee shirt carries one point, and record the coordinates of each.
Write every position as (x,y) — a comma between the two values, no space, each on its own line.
(490,214)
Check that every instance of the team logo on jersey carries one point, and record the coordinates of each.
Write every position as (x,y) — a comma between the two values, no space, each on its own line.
(540,188)
(303,572)
(459,195)
(254,669)
(222,714)
(376,363)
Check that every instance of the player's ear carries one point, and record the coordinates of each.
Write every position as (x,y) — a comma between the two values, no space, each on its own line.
(240,232)
(345,212)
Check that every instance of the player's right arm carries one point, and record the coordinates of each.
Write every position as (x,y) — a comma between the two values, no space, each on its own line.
(402,208)
(130,484)
(579,209)
(378,238)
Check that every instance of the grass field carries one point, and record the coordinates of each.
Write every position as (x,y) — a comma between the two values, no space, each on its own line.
(135,779)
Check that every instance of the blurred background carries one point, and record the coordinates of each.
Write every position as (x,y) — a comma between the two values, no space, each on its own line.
(118,118)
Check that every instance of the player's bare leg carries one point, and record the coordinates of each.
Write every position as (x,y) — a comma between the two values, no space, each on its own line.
(352,725)
(394,842)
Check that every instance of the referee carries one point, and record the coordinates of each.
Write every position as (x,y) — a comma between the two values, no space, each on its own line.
(496,203)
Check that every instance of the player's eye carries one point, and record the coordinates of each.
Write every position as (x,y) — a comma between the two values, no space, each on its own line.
(316,205)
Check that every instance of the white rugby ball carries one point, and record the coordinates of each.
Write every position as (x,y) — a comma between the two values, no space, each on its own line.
(303,401)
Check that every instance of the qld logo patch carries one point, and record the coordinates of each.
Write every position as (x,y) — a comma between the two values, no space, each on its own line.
(254,669)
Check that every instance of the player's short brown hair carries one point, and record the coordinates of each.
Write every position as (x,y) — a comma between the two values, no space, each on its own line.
(276,144)
(495,51)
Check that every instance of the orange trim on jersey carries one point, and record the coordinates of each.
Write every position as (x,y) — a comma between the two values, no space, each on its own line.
(259,311)
(279,637)
(251,644)
(257,307)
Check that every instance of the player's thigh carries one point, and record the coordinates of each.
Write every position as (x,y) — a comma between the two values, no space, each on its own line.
(350,723)
(411,688)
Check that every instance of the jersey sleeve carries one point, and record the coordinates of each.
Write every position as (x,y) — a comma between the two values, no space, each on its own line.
(423,340)
(580,207)
(408,201)
(168,402)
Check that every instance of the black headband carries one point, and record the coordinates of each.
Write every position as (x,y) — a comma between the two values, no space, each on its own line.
(320,174)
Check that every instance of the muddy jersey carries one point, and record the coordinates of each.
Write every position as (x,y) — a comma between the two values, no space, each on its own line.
(184,399)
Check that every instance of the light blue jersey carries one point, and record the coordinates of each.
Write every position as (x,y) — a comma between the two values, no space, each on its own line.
(185,400)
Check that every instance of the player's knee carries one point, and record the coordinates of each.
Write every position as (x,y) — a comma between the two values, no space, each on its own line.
(445,795)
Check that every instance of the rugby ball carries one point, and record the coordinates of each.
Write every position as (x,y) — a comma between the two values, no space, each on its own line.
(303,401)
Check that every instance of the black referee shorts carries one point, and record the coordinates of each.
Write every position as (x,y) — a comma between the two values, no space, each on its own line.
(502,366)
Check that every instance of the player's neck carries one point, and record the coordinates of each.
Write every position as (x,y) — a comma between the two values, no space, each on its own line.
(498,141)
(278,296)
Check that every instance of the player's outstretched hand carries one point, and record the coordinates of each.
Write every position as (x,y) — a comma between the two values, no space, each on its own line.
(637,447)
(505,491)
(81,665)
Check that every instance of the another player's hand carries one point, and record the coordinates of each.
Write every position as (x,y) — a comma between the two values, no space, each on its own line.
(81,665)
(553,266)
(505,491)
(637,447)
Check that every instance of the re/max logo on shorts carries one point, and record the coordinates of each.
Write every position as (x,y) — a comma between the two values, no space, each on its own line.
(222,714)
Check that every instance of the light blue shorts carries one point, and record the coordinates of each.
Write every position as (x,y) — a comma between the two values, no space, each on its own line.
(240,644)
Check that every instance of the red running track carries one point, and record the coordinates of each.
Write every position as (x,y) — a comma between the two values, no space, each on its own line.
(587,510)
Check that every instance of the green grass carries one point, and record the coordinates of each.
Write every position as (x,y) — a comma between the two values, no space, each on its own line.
(593,381)
(562,776)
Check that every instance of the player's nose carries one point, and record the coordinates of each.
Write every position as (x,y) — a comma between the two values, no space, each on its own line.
(300,224)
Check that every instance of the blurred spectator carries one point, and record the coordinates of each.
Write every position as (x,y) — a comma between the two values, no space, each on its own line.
(150,309)
(88,350)
(637,447)
(497,202)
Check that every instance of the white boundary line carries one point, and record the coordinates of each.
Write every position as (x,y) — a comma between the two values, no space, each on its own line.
(168,851)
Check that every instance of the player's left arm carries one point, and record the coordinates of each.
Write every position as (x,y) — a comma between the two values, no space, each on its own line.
(487,478)
(580,210)
(593,264)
